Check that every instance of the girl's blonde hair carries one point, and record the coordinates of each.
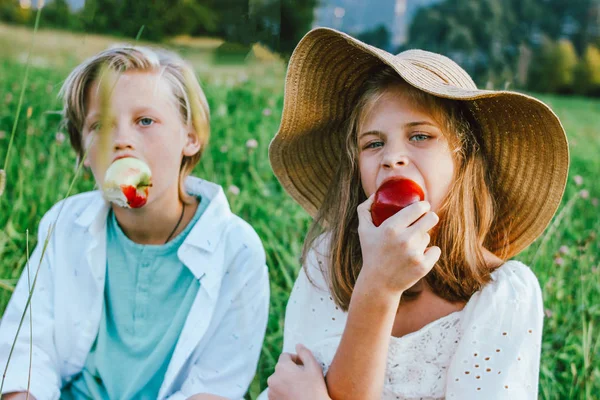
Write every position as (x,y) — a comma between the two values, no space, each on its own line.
(180,76)
(466,213)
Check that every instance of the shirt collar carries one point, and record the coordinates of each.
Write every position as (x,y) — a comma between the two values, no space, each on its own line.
(205,235)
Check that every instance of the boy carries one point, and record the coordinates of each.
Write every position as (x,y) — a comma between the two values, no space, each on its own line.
(168,300)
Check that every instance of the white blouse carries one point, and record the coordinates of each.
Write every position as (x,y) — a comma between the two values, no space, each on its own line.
(488,350)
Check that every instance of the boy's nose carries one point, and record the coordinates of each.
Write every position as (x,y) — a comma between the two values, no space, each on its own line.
(122,138)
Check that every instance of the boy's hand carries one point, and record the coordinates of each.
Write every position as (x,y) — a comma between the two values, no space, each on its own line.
(297,377)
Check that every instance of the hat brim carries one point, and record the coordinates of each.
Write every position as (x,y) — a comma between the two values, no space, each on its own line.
(523,140)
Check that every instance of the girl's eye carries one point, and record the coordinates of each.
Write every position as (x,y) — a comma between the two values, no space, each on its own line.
(146,121)
(419,137)
(95,126)
(373,145)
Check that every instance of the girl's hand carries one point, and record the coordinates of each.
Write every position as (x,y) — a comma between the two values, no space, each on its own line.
(395,254)
(297,377)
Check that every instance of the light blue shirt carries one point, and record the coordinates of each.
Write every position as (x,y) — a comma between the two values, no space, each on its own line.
(147,297)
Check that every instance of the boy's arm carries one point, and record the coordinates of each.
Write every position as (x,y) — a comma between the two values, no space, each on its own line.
(229,361)
(45,378)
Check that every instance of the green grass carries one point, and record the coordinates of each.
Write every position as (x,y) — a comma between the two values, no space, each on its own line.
(245,106)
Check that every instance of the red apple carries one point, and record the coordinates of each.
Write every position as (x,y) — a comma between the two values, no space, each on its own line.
(392,196)
(126,182)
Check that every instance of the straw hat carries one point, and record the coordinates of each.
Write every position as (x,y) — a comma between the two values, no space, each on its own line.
(523,140)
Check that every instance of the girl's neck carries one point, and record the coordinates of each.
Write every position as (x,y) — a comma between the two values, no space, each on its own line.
(153,223)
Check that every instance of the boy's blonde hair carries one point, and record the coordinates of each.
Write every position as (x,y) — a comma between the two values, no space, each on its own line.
(180,76)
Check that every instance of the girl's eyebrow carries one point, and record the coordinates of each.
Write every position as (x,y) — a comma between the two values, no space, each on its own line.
(407,125)
(418,123)
(372,132)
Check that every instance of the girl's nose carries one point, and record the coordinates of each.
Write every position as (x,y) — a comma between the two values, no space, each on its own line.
(394,158)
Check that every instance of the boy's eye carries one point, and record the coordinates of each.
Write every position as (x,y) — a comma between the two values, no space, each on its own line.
(146,121)
(419,137)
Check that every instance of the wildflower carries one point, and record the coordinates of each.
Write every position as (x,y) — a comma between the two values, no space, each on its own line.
(267,111)
(29,112)
(548,312)
(224,148)
(234,190)
(584,194)
(60,137)
(222,110)
(563,249)
(252,144)
(2,134)
(559,261)
(578,180)
(595,202)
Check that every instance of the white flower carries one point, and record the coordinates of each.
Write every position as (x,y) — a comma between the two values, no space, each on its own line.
(252,143)
(584,194)
(234,190)
(60,137)
(222,110)
(267,112)
(578,180)
(224,148)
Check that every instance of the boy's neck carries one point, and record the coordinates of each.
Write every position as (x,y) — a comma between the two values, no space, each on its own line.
(153,223)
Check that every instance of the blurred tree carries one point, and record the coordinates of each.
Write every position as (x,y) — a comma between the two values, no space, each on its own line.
(565,61)
(553,67)
(378,37)
(587,75)
(490,37)
(58,14)
(8,10)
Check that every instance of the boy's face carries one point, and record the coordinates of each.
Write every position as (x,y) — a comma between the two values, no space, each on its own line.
(143,122)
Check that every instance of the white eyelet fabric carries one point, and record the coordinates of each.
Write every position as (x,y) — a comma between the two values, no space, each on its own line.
(488,350)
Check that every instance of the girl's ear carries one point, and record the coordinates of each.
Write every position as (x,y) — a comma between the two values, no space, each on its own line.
(192,145)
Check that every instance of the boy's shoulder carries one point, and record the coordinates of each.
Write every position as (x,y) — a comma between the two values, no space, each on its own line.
(223,223)
(71,208)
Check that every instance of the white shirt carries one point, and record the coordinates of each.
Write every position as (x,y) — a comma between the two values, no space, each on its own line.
(489,350)
(221,340)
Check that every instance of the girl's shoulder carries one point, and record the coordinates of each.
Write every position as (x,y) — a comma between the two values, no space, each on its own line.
(513,294)
(515,279)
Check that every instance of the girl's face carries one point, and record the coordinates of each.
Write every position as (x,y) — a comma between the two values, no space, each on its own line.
(145,123)
(398,139)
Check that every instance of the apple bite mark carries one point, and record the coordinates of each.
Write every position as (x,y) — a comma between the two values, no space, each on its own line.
(127,182)
(392,196)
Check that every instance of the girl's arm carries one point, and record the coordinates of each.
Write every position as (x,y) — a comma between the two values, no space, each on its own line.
(358,368)
(395,257)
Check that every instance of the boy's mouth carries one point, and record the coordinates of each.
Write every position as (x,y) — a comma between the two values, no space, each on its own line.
(127,182)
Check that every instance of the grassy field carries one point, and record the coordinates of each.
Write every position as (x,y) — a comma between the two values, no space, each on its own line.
(246,102)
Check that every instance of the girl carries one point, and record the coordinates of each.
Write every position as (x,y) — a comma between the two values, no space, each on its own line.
(169,300)
(427,305)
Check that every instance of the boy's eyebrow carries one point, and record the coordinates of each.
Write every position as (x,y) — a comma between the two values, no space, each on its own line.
(91,116)
(407,125)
